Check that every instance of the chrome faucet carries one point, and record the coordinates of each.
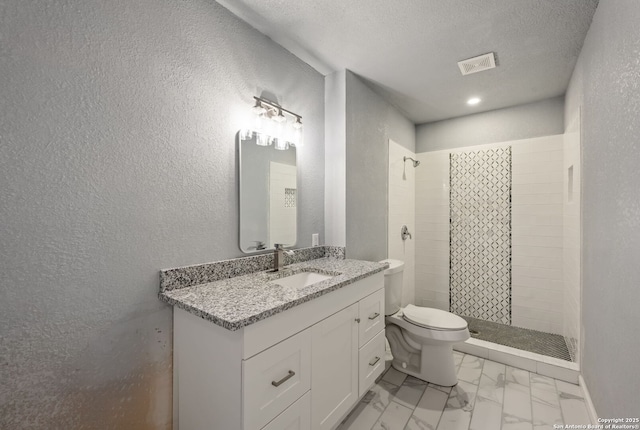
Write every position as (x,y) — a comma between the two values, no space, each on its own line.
(278,256)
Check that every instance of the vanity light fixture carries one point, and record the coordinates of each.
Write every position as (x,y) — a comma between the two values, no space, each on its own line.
(271,126)
(258,109)
(473,101)
(280,117)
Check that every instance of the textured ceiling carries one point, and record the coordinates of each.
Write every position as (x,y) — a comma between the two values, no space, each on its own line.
(408,49)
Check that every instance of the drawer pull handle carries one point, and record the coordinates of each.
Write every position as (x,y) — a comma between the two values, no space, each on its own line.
(358,320)
(283,380)
(374,361)
(374,316)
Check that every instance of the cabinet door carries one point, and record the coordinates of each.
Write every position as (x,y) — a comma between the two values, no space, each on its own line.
(295,417)
(371,316)
(334,367)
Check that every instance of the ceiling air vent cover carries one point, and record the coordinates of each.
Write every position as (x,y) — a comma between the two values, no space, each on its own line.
(477,64)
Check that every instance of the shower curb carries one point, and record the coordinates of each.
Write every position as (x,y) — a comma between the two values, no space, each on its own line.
(537,363)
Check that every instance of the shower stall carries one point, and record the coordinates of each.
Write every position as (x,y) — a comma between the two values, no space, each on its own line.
(498,240)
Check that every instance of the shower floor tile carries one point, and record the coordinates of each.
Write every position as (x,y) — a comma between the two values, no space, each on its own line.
(552,345)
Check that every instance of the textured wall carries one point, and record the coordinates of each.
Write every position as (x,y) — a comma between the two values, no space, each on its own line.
(371,122)
(606,82)
(335,156)
(543,118)
(117,159)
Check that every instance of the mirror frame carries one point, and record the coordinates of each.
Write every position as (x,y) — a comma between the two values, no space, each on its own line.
(267,248)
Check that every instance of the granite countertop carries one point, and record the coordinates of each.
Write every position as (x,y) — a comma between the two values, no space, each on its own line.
(237,302)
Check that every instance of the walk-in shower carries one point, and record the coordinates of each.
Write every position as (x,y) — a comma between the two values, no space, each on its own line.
(491,242)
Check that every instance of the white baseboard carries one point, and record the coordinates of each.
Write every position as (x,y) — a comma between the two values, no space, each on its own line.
(593,415)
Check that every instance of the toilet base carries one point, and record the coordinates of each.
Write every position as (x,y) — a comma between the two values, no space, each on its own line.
(422,356)
(436,365)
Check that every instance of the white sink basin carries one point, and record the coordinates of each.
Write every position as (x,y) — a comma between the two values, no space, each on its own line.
(302,280)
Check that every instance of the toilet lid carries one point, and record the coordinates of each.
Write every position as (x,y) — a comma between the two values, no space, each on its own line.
(433,318)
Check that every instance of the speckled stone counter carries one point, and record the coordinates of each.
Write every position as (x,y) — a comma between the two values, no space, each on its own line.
(243,300)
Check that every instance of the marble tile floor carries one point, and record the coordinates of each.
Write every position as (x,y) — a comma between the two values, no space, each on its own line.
(489,396)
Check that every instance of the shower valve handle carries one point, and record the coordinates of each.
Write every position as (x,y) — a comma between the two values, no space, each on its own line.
(404,233)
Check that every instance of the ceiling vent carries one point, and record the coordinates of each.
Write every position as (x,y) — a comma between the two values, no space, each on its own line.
(477,64)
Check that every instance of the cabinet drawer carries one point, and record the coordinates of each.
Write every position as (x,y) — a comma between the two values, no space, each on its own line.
(274,379)
(371,362)
(371,313)
(295,417)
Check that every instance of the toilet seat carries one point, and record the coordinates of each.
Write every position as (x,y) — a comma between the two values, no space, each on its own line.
(434,319)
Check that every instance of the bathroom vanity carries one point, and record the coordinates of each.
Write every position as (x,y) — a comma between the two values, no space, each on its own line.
(266,351)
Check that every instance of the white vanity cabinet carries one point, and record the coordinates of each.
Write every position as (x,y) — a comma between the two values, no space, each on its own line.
(334,367)
(300,369)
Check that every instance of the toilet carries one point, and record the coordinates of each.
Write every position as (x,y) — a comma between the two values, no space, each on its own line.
(421,339)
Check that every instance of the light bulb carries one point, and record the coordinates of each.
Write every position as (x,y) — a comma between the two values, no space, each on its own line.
(258,109)
(298,138)
(280,117)
(281,145)
(263,139)
(258,123)
(473,101)
(246,134)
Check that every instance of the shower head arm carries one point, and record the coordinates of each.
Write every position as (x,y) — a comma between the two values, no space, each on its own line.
(416,163)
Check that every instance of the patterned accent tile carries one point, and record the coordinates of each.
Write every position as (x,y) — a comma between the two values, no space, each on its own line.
(290,197)
(480,234)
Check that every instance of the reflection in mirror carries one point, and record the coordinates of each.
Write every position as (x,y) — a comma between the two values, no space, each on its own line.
(268,195)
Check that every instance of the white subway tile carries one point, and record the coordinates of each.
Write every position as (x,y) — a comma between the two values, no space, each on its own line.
(557,372)
(532,293)
(527,281)
(528,219)
(436,304)
(537,251)
(543,241)
(546,209)
(536,304)
(540,230)
(537,272)
(468,348)
(541,262)
(512,360)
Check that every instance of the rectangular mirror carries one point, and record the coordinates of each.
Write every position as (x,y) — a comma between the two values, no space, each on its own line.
(268,194)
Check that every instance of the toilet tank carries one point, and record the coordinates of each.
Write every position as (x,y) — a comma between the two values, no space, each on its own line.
(393,286)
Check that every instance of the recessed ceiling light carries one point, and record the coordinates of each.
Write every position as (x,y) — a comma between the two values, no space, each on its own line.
(473,101)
